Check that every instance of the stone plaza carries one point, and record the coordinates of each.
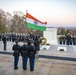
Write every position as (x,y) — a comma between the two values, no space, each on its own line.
(51,61)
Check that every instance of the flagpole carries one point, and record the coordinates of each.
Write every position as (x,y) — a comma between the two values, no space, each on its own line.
(26,11)
(25,23)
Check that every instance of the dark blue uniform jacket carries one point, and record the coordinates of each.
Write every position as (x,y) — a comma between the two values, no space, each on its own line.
(16,49)
(24,51)
(31,51)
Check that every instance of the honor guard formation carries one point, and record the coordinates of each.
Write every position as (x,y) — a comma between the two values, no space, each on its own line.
(30,48)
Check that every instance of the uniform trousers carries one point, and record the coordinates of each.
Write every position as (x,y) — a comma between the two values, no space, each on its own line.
(24,64)
(31,61)
(4,45)
(16,58)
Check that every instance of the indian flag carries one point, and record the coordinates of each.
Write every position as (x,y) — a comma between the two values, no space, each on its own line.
(32,22)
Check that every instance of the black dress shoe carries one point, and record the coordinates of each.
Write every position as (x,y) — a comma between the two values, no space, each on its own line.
(16,68)
(25,69)
(31,70)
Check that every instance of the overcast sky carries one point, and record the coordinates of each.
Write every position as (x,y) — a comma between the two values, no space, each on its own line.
(53,11)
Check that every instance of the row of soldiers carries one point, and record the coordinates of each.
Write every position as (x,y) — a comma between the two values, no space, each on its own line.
(12,37)
(67,40)
(29,49)
(19,38)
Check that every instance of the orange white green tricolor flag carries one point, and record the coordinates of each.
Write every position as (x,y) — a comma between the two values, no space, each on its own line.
(32,22)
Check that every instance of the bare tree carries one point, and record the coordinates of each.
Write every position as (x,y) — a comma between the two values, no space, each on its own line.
(2,21)
(18,23)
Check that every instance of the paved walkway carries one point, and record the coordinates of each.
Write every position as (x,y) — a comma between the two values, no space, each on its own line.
(42,67)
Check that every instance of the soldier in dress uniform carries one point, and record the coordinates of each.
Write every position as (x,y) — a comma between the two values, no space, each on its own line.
(71,40)
(74,40)
(4,39)
(28,41)
(31,54)
(13,37)
(63,39)
(37,46)
(16,54)
(24,54)
(68,38)
(60,39)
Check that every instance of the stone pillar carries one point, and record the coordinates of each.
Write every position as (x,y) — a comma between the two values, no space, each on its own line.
(51,35)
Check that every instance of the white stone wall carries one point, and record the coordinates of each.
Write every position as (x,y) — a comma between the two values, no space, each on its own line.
(51,35)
